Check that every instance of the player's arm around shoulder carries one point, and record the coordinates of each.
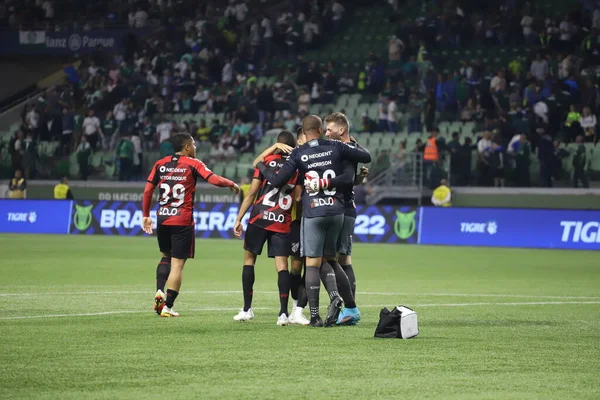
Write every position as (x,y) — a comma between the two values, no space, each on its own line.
(284,174)
(355,154)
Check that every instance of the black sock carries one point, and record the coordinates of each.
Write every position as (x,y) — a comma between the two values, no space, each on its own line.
(351,277)
(171,296)
(328,277)
(162,273)
(283,283)
(343,285)
(302,297)
(295,285)
(313,285)
(248,285)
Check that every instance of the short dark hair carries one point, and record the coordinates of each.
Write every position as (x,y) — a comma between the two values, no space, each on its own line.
(286,137)
(179,141)
(311,123)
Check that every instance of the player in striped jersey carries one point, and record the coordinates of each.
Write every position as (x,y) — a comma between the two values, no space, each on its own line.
(270,221)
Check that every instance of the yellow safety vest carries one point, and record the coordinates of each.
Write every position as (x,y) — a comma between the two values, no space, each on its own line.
(441,194)
(60,191)
(16,193)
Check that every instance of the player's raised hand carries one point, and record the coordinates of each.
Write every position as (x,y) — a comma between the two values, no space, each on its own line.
(147,225)
(235,188)
(364,172)
(238,229)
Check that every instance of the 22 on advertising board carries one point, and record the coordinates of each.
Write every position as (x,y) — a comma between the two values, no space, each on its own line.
(374,224)
(530,228)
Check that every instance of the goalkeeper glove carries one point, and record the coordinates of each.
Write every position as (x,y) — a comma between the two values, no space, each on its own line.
(313,186)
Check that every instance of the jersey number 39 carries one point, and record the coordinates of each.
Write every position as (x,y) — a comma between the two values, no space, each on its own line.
(166,196)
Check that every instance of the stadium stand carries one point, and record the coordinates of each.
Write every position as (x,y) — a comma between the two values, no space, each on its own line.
(236,73)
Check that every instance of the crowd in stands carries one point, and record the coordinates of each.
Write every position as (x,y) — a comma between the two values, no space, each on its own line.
(217,64)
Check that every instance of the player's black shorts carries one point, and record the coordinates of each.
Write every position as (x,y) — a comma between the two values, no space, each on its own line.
(295,239)
(178,241)
(279,243)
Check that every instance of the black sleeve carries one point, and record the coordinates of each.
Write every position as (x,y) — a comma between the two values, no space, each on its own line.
(69,195)
(346,179)
(354,154)
(282,177)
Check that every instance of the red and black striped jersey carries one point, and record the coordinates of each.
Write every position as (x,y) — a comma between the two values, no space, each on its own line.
(176,178)
(272,209)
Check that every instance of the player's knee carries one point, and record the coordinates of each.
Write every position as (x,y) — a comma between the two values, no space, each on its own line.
(281,264)
(249,258)
(344,259)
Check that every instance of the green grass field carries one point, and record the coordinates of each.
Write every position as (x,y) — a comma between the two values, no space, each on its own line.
(77,322)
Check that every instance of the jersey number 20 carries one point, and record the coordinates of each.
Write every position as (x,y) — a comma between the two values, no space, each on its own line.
(328,174)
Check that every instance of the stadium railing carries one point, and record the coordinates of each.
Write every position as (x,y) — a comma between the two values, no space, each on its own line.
(400,180)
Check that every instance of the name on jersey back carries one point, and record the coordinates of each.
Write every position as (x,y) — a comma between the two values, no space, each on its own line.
(171,170)
(307,157)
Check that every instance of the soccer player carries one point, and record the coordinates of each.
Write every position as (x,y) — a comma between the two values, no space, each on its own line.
(323,211)
(176,178)
(269,222)
(337,128)
(297,289)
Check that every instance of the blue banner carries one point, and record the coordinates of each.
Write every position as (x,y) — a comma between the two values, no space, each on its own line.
(374,224)
(530,228)
(35,216)
(65,42)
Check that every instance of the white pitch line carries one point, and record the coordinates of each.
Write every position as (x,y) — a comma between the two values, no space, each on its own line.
(535,303)
(108,293)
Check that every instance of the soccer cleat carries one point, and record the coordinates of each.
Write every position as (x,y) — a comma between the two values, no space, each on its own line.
(244,316)
(316,322)
(333,311)
(297,317)
(159,301)
(282,320)
(168,313)
(349,316)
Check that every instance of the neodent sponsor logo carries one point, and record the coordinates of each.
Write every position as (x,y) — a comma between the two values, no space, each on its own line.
(169,169)
(579,231)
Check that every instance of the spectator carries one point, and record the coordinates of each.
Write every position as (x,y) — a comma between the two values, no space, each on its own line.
(588,123)
(17,187)
(484,150)
(125,155)
(392,115)
(539,67)
(395,48)
(579,165)
(304,101)
(91,129)
(110,130)
(68,127)
(84,150)
(467,112)
(338,10)
(346,83)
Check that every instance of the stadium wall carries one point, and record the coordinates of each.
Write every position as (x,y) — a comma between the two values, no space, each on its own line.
(495,227)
